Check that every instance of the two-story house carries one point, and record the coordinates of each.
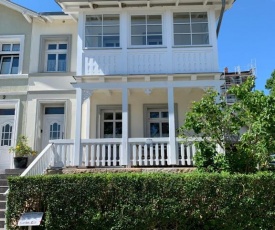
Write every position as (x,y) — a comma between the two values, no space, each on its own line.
(110,81)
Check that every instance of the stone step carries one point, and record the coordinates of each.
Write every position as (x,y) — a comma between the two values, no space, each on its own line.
(2,204)
(3,189)
(14,171)
(3,182)
(2,213)
(2,197)
(2,223)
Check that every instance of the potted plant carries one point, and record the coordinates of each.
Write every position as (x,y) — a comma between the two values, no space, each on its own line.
(21,152)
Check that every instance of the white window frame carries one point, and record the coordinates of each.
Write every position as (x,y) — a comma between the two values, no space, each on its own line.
(54,39)
(55,52)
(13,40)
(102,29)
(156,107)
(191,33)
(146,24)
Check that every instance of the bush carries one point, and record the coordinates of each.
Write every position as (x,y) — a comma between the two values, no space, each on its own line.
(145,201)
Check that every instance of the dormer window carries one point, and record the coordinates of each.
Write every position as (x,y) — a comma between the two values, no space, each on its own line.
(146,30)
(9,58)
(191,29)
(102,31)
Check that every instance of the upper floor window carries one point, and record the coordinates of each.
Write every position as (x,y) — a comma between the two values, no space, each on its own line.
(55,53)
(9,58)
(56,56)
(146,30)
(102,31)
(191,29)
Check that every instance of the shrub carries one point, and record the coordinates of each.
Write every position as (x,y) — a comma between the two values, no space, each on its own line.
(145,201)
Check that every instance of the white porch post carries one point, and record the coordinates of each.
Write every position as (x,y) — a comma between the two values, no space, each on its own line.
(78,124)
(172,128)
(125,155)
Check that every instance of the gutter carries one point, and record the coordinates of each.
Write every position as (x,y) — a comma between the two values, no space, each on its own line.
(221,17)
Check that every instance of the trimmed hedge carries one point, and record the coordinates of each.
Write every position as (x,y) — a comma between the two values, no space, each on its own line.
(145,201)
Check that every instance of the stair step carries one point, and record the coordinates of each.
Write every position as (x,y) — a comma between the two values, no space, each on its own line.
(2,213)
(3,204)
(3,182)
(3,189)
(2,223)
(14,171)
(2,197)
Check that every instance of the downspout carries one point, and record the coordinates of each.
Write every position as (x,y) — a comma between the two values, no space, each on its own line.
(221,17)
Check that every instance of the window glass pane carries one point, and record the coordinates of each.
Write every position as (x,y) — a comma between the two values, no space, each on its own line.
(154,40)
(16,47)
(51,62)
(182,28)
(15,64)
(119,116)
(54,110)
(6,47)
(54,131)
(111,41)
(138,40)
(52,46)
(181,18)
(154,130)
(138,19)
(5,65)
(7,112)
(154,114)
(164,114)
(154,30)
(118,129)
(94,20)
(62,62)
(110,19)
(200,28)
(154,19)
(62,46)
(182,39)
(200,39)
(94,41)
(138,30)
(108,116)
(108,129)
(199,17)
(111,30)
(165,129)
(93,30)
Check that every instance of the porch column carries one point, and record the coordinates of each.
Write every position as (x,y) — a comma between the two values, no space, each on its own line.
(125,155)
(78,124)
(172,128)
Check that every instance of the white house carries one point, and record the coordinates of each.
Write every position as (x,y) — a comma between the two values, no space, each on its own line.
(109,82)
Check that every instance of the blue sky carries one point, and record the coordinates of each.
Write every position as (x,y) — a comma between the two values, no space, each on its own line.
(247,35)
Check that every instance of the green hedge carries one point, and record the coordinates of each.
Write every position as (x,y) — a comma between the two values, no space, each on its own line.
(146,201)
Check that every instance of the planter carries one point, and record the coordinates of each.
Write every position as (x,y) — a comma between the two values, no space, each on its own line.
(20,162)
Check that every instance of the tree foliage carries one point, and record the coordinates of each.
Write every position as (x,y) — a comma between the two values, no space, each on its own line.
(245,129)
(270,84)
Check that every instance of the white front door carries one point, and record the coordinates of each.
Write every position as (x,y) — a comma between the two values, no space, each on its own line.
(6,137)
(53,125)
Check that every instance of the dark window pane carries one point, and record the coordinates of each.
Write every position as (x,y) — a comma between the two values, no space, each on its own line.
(94,20)
(154,19)
(111,41)
(182,39)
(118,129)
(52,46)
(7,111)
(165,129)
(54,110)
(164,114)
(62,46)
(110,19)
(154,114)
(154,40)
(95,41)
(108,116)
(51,64)
(16,47)
(15,65)
(62,63)
(200,28)
(119,116)
(138,19)
(108,129)
(200,39)
(181,18)
(5,65)
(199,17)
(154,130)
(138,40)
(182,28)
(6,47)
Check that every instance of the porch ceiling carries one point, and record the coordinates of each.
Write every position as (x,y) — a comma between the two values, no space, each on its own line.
(82,5)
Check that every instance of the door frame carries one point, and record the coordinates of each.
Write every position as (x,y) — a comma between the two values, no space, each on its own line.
(12,104)
(41,104)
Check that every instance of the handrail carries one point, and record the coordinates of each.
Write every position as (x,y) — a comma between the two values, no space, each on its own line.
(30,170)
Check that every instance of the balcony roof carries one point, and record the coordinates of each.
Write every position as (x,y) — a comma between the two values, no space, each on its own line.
(82,5)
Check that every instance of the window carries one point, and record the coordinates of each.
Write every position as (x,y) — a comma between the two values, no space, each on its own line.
(55,53)
(111,123)
(191,29)
(6,135)
(158,124)
(56,56)
(102,31)
(146,30)
(9,58)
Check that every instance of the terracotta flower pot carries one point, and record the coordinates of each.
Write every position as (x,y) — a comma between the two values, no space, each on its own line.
(20,162)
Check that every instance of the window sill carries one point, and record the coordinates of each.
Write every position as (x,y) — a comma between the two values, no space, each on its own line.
(52,74)
(13,76)
(103,48)
(147,47)
(197,46)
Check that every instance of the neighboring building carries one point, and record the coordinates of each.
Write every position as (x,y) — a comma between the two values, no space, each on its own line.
(115,79)
(237,77)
